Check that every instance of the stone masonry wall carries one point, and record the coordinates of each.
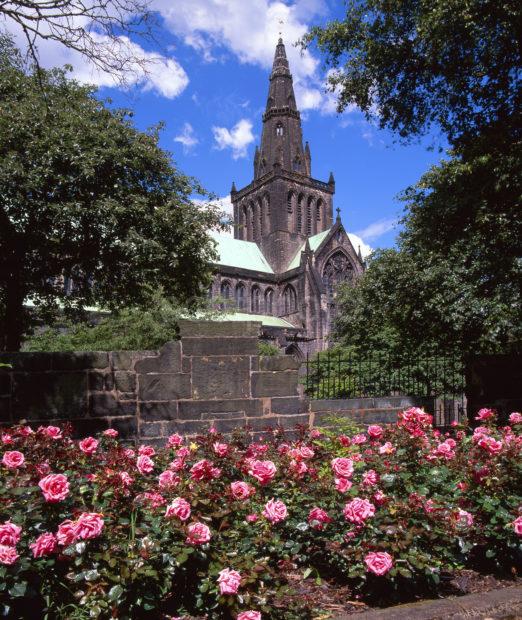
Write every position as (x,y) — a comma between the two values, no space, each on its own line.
(212,376)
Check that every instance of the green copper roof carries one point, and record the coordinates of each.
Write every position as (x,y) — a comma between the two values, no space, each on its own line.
(236,253)
(314,242)
(265,319)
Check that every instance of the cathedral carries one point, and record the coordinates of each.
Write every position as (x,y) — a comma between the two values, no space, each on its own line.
(288,253)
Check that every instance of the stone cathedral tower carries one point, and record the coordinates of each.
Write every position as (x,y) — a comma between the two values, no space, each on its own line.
(287,254)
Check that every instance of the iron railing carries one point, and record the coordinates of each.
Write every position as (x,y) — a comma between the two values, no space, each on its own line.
(335,375)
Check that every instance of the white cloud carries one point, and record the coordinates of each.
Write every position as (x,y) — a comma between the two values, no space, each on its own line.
(250,31)
(187,138)
(224,204)
(149,71)
(378,228)
(238,138)
(357,243)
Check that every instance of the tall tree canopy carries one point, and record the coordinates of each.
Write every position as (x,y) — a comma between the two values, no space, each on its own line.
(84,195)
(409,64)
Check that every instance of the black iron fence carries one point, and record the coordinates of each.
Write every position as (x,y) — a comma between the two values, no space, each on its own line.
(339,375)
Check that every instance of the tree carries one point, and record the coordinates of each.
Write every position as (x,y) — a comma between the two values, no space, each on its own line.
(86,197)
(409,65)
(454,285)
(98,29)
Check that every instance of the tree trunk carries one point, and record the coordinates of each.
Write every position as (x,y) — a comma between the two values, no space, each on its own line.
(13,321)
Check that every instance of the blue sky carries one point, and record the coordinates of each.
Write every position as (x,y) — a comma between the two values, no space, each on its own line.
(208,83)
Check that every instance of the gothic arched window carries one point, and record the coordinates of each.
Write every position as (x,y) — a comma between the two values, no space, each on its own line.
(296,164)
(255,298)
(290,299)
(253,222)
(290,202)
(279,129)
(269,301)
(319,210)
(226,294)
(309,216)
(300,205)
(240,296)
(338,269)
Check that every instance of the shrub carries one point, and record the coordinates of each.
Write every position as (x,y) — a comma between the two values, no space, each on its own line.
(93,528)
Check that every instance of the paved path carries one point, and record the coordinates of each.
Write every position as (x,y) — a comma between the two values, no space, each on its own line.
(505,603)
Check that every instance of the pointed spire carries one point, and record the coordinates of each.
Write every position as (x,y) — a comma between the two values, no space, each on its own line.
(280,66)
(338,218)
(331,180)
(233,190)
(359,254)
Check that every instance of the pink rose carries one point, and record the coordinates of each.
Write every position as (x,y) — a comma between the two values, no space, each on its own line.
(358,510)
(517,526)
(111,432)
(89,445)
(485,414)
(174,440)
(343,485)
(204,470)
(183,452)
(378,563)
(344,441)
(66,534)
(144,464)
(249,615)
(370,478)
(298,468)
(146,451)
(9,534)
(54,432)
(358,439)
(24,431)
(241,490)
(263,471)
(179,508)
(125,478)
(152,499)
(6,438)
(8,555)
(387,448)
(379,497)
(342,467)
(463,519)
(515,418)
(229,581)
(490,444)
(221,449)
(168,479)
(375,431)
(275,511)
(45,544)
(197,534)
(318,518)
(129,453)
(177,464)
(55,487)
(13,459)
(252,518)
(88,525)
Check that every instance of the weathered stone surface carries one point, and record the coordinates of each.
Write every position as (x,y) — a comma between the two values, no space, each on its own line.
(151,429)
(274,383)
(196,409)
(164,387)
(86,426)
(126,427)
(342,404)
(79,360)
(125,381)
(150,412)
(288,405)
(124,360)
(218,329)
(254,362)
(279,362)
(100,381)
(192,427)
(229,425)
(49,395)
(220,377)
(290,421)
(103,404)
(168,360)
(219,346)
(27,361)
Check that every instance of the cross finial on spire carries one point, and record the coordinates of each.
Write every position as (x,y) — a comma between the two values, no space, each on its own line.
(281,24)
(338,214)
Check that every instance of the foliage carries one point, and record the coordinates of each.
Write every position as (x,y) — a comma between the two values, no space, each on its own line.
(130,329)
(205,527)
(267,348)
(409,65)
(86,196)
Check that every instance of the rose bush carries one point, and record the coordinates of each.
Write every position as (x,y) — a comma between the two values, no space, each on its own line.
(204,526)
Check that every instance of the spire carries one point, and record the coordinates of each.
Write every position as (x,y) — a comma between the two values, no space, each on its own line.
(308,160)
(359,254)
(338,218)
(282,139)
(331,180)
(233,190)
